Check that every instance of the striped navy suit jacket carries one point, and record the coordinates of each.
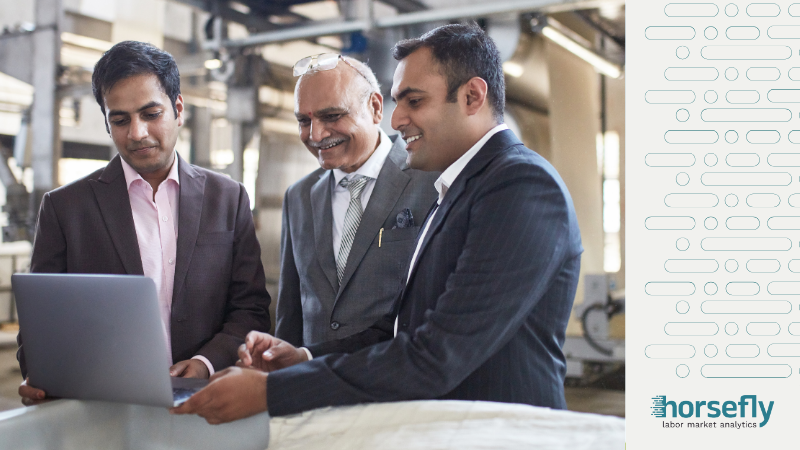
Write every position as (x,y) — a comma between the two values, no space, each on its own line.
(484,313)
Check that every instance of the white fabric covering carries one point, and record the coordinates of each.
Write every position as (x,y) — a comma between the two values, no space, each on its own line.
(435,424)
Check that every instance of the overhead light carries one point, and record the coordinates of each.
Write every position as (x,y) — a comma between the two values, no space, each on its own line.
(212,64)
(513,69)
(86,42)
(602,65)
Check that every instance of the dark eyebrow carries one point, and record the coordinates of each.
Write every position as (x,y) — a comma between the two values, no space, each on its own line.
(331,110)
(123,113)
(405,92)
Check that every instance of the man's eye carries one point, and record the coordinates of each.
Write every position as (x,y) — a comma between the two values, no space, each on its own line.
(332,117)
(414,101)
(120,122)
(152,115)
(304,122)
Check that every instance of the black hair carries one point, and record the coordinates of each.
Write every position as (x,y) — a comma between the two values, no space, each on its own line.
(463,51)
(130,58)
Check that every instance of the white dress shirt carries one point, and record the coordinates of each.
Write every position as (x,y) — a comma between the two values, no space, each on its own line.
(156,224)
(443,183)
(340,196)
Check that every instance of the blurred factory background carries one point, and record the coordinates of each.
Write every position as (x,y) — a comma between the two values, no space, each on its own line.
(564,65)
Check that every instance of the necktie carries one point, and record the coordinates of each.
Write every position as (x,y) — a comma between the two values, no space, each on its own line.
(351,220)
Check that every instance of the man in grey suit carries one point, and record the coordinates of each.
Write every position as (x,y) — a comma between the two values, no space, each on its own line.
(326,291)
(149,212)
(485,307)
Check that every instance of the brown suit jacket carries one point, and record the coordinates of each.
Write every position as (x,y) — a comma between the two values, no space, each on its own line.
(219,293)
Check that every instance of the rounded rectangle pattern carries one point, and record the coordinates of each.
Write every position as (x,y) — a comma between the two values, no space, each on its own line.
(784,32)
(691,73)
(669,351)
(784,350)
(794,265)
(692,200)
(784,159)
(691,265)
(742,223)
(748,33)
(691,328)
(763,10)
(794,10)
(784,223)
(784,288)
(746,115)
(669,159)
(668,288)
(763,73)
(744,244)
(746,307)
(742,350)
(763,265)
(669,97)
(691,136)
(794,328)
(783,95)
(763,200)
(742,288)
(669,223)
(794,74)
(763,137)
(746,371)
(763,328)
(679,33)
(794,200)
(748,52)
(742,97)
(746,178)
(691,10)
(742,159)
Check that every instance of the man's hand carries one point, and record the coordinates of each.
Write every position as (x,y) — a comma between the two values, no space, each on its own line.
(267,353)
(189,368)
(30,395)
(232,394)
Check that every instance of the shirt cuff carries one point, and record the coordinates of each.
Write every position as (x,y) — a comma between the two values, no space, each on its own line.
(206,362)
(308,353)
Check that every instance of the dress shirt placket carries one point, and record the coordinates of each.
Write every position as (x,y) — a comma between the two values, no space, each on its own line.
(169,244)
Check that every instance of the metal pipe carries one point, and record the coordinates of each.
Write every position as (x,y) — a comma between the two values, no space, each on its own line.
(431,15)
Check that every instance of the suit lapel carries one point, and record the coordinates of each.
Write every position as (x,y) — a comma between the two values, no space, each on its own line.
(322,218)
(192,188)
(388,187)
(494,146)
(111,192)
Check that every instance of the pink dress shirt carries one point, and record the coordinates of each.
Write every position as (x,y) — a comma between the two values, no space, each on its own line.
(156,223)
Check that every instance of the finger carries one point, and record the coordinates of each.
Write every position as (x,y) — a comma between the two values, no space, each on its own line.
(177,369)
(26,391)
(244,355)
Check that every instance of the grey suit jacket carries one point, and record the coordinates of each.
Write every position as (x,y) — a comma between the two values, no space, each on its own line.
(219,293)
(312,306)
(485,311)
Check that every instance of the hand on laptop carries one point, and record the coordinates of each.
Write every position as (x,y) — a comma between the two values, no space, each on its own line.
(30,395)
(189,368)
(267,353)
(232,394)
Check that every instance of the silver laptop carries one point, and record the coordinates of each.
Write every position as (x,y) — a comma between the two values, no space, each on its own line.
(97,337)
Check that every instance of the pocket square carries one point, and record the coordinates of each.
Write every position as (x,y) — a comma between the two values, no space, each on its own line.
(404,219)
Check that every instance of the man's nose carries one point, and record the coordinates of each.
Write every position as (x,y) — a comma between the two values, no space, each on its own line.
(318,131)
(399,118)
(137,130)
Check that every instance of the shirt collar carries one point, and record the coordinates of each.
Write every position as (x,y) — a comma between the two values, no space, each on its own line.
(450,174)
(132,175)
(372,167)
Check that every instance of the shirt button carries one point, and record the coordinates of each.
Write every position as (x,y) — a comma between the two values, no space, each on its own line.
(164,218)
(334,325)
(171,261)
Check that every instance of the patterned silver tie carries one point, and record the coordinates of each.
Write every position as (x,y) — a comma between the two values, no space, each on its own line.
(351,220)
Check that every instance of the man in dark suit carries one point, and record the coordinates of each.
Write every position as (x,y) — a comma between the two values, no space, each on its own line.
(485,308)
(326,291)
(148,212)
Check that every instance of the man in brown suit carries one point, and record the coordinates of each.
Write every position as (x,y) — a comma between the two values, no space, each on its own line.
(148,212)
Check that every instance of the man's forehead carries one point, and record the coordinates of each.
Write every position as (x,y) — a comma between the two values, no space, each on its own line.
(135,92)
(323,91)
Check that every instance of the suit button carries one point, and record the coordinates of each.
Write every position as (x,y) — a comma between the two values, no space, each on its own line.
(334,325)
(405,325)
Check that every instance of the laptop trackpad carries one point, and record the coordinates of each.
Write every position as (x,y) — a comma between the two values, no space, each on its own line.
(183,388)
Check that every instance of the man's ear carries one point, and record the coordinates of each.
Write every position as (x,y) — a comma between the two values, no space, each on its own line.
(474,93)
(179,109)
(375,105)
